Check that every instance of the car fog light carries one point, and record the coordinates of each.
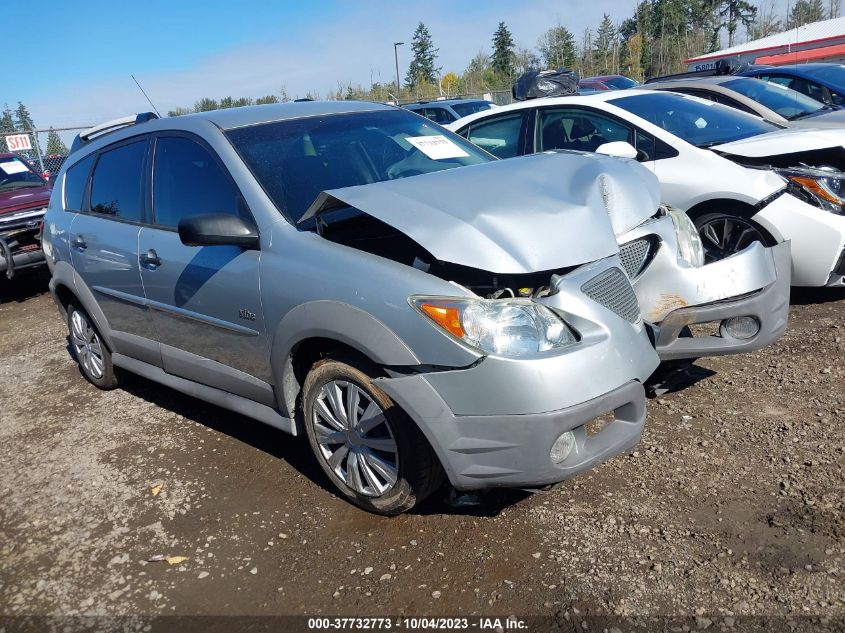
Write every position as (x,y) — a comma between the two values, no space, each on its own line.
(562,447)
(743,327)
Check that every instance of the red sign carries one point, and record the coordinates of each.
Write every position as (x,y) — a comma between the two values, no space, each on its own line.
(18,142)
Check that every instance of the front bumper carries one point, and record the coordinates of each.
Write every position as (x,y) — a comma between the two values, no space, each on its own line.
(489,451)
(817,236)
(494,423)
(20,245)
(769,306)
(673,294)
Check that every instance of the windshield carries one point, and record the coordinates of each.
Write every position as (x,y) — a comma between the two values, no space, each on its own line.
(465,109)
(295,160)
(620,83)
(832,73)
(788,103)
(702,123)
(16,174)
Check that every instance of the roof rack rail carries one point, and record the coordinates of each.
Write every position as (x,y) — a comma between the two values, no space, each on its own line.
(722,67)
(110,126)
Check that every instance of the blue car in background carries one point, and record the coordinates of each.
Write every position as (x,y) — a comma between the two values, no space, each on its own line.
(822,82)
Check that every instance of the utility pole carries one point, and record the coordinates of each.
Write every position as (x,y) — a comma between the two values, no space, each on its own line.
(396,59)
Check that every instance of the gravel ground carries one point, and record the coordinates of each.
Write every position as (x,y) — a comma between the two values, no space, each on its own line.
(732,506)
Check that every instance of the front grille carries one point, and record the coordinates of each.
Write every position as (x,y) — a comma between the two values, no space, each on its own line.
(635,255)
(839,269)
(613,290)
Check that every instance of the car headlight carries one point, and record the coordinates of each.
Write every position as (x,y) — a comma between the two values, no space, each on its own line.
(506,327)
(823,186)
(690,248)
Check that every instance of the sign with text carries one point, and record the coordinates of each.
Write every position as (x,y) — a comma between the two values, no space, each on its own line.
(18,142)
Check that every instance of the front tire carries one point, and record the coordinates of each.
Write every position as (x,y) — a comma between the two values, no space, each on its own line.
(368,447)
(89,351)
(724,234)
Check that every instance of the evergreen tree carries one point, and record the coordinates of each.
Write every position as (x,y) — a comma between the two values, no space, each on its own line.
(23,120)
(421,69)
(267,99)
(605,45)
(503,52)
(205,105)
(557,48)
(55,145)
(7,124)
(805,12)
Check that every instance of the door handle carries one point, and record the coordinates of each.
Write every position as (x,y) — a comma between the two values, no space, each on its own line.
(150,260)
(78,243)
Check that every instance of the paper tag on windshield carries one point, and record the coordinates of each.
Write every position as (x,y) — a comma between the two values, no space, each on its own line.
(436,147)
(16,167)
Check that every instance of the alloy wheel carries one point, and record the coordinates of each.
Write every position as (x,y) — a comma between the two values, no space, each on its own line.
(87,345)
(726,235)
(355,439)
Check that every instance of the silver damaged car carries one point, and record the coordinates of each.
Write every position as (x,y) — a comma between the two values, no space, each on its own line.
(320,267)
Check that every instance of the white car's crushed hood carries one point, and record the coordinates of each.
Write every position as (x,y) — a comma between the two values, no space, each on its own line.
(781,142)
(529,214)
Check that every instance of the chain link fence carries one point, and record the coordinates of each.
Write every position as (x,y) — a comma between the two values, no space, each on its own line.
(45,149)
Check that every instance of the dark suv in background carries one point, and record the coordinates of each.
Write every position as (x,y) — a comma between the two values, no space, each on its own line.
(24,196)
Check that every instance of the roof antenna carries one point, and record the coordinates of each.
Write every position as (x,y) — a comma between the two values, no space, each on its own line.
(145,94)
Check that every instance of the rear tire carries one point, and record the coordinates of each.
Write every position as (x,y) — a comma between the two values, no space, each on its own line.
(89,350)
(368,447)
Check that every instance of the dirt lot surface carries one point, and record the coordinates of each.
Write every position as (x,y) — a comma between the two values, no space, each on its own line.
(733,505)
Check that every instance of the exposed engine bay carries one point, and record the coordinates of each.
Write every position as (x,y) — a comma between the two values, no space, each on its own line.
(352,227)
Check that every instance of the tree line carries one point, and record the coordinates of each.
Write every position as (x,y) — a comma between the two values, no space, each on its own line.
(20,120)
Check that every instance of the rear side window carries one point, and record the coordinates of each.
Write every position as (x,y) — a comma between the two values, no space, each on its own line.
(117,183)
(76,180)
(187,181)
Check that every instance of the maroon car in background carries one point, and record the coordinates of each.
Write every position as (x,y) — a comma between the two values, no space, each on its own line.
(24,195)
(607,82)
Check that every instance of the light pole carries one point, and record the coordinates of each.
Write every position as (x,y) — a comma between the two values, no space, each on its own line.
(396,59)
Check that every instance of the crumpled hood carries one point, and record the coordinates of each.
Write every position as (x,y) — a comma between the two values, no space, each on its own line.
(527,214)
(789,141)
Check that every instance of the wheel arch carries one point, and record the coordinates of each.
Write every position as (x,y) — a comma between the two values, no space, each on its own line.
(739,208)
(313,330)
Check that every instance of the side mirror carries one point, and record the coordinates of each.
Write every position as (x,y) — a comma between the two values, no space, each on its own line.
(218,229)
(622,149)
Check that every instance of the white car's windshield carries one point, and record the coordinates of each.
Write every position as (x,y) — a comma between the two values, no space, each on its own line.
(295,160)
(788,103)
(701,123)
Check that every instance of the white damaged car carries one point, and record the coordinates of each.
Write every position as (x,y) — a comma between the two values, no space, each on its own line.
(740,301)
(740,179)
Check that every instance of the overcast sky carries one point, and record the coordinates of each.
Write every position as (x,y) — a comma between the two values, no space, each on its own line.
(75,57)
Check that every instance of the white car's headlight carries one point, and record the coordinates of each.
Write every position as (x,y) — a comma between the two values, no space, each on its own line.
(506,327)
(690,248)
(823,187)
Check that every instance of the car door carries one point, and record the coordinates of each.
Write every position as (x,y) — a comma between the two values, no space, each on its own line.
(205,301)
(502,135)
(104,239)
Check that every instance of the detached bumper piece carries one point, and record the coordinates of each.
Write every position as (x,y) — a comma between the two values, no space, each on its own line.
(745,324)
(525,451)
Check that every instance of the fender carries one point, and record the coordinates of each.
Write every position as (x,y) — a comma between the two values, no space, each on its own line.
(340,322)
(65,275)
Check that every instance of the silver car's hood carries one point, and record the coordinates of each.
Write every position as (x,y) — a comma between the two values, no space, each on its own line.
(528,214)
(789,141)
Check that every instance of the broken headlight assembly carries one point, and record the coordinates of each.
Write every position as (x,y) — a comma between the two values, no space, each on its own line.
(690,248)
(505,327)
(823,187)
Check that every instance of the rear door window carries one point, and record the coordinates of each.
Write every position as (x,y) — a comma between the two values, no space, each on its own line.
(117,184)
(188,181)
